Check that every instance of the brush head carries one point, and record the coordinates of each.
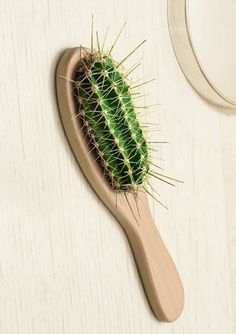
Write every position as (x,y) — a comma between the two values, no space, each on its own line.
(105,105)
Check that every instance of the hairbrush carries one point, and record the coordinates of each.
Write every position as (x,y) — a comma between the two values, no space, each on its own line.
(96,103)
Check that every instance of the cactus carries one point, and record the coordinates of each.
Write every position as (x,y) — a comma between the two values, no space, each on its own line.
(108,114)
(105,97)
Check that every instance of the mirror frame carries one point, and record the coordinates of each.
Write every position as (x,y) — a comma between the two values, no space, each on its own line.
(179,29)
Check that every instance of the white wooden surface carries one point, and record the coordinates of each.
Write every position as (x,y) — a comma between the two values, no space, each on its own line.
(65,264)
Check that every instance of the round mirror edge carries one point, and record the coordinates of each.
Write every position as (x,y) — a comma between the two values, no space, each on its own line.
(180,35)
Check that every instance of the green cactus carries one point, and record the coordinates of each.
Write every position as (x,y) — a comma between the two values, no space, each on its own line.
(110,121)
(105,98)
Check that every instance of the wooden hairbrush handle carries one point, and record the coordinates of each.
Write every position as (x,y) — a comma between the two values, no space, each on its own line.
(159,275)
(160,278)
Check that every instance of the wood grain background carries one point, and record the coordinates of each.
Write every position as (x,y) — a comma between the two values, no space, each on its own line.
(65,264)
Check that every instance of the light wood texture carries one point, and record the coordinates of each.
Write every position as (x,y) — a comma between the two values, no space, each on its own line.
(67,268)
(186,55)
(160,278)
